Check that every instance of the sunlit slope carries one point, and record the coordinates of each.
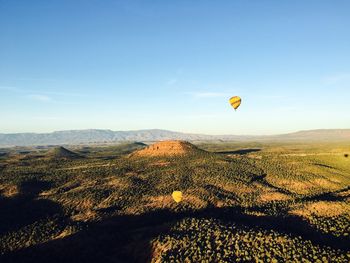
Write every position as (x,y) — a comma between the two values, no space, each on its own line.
(308,172)
(167,148)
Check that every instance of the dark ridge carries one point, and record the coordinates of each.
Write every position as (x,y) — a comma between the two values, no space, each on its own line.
(240,152)
(324,165)
(140,144)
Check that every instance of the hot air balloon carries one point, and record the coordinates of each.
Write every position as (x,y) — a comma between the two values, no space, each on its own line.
(177,196)
(235,102)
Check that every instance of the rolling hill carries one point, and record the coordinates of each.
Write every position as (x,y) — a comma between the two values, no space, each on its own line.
(62,153)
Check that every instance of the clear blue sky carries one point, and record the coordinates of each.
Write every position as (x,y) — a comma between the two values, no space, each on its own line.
(126,65)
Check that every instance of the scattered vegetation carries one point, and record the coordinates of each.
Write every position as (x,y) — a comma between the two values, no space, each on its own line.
(198,240)
(241,202)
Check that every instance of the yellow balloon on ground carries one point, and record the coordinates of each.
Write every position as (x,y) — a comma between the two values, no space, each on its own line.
(177,196)
(235,102)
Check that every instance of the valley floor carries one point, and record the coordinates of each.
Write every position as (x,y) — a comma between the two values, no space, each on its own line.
(242,202)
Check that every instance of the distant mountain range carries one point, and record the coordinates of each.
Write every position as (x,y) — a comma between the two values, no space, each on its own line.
(107,136)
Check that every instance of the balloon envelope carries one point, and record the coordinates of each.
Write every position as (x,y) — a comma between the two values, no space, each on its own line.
(177,196)
(235,102)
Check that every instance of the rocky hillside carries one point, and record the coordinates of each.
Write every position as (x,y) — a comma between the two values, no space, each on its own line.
(168,148)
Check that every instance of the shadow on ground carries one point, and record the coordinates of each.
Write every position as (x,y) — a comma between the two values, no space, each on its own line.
(24,209)
(127,238)
(241,151)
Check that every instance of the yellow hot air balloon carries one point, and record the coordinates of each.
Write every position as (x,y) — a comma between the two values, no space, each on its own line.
(177,196)
(235,102)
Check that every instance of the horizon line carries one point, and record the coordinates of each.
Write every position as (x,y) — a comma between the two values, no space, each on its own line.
(158,129)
